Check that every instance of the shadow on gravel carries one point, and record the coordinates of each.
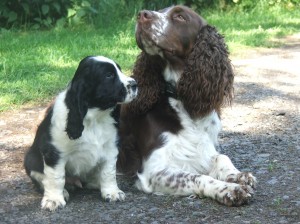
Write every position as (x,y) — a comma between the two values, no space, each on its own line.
(259,92)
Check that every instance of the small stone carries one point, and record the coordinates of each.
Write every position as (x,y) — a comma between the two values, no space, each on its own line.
(297,203)
(294,213)
(272,181)
(197,214)
(155,222)
(264,155)
(140,215)
(285,197)
(154,209)
(280,113)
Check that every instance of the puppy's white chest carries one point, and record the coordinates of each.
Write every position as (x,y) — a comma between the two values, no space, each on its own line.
(96,145)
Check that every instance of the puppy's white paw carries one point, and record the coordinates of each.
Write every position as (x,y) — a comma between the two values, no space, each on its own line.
(53,202)
(116,195)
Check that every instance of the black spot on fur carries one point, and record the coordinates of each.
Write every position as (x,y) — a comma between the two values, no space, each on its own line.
(180,175)
(223,189)
(171,178)
(42,148)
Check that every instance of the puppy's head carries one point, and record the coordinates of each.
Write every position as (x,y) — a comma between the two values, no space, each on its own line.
(98,83)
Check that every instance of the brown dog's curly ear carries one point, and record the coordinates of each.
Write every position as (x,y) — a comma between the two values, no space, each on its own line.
(147,72)
(208,76)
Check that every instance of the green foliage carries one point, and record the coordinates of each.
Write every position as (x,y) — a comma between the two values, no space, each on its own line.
(102,13)
(35,13)
(82,11)
(248,5)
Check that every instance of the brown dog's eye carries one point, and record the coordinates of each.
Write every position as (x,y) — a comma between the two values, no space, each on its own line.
(180,18)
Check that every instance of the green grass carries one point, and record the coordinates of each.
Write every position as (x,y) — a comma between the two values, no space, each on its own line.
(259,28)
(36,65)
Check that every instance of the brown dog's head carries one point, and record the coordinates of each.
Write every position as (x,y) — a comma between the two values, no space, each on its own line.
(180,47)
(170,33)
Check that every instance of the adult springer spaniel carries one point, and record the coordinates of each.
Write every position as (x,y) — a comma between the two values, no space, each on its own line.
(77,140)
(168,134)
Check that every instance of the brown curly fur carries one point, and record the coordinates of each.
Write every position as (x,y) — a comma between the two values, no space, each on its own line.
(147,72)
(208,77)
(204,85)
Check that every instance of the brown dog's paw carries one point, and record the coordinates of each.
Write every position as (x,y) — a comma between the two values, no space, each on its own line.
(238,196)
(246,178)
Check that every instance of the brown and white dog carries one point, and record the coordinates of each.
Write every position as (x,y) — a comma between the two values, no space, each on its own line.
(168,134)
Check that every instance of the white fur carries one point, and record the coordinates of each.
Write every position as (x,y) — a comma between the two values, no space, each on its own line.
(158,32)
(160,26)
(171,75)
(96,144)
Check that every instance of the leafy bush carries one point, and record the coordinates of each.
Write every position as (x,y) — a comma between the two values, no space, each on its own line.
(248,5)
(40,13)
(102,13)
(82,11)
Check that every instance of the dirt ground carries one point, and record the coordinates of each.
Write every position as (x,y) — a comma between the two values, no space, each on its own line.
(261,133)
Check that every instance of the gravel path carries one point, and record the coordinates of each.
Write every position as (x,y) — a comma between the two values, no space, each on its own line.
(261,133)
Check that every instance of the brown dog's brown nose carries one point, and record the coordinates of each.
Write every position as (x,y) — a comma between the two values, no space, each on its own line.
(144,16)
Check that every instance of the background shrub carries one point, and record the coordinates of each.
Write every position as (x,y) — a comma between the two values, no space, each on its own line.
(102,13)
(34,13)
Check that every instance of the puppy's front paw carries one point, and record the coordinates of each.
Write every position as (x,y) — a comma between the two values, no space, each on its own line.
(53,202)
(117,195)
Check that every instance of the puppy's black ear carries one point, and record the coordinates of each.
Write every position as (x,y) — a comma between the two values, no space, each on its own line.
(77,103)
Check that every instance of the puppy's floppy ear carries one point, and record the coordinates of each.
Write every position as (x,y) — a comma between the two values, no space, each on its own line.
(208,76)
(147,72)
(77,103)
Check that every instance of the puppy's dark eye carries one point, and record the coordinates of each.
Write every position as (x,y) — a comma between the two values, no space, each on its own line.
(109,75)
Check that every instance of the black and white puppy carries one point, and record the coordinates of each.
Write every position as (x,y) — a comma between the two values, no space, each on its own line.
(78,136)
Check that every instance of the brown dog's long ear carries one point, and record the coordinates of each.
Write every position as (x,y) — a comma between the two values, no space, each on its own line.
(147,72)
(208,76)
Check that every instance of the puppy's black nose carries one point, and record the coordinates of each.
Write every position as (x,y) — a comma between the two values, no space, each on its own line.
(133,85)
